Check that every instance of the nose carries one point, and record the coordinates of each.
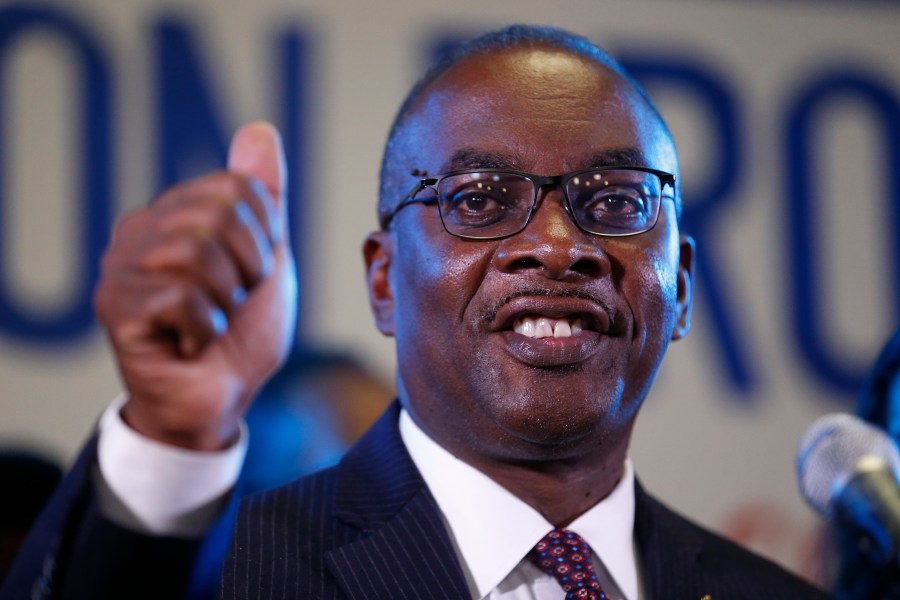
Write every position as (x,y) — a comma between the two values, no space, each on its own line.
(553,244)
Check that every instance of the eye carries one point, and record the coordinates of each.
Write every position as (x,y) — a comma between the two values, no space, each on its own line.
(616,201)
(480,199)
(616,207)
(475,201)
(476,207)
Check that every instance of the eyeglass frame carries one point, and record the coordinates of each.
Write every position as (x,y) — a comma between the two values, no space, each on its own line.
(538,181)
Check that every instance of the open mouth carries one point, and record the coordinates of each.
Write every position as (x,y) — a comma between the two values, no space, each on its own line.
(537,326)
(551,316)
(552,330)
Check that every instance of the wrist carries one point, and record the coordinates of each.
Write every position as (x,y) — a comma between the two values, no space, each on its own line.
(156,488)
(178,427)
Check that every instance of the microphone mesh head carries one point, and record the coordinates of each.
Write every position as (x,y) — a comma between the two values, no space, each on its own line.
(828,454)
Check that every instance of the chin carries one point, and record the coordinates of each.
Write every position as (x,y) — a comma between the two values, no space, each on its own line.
(558,421)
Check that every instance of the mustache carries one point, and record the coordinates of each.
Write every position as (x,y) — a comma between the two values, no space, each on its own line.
(491,314)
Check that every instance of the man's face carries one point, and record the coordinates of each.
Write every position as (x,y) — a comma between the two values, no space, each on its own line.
(466,372)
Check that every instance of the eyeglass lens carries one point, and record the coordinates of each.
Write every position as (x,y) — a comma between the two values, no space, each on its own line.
(497,204)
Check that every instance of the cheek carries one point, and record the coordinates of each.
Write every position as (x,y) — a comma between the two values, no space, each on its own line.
(656,287)
(653,292)
(435,278)
(665,275)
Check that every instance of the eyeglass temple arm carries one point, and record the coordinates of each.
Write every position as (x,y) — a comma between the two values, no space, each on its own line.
(423,183)
(410,197)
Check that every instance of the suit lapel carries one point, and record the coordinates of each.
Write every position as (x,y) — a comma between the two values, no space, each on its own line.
(409,553)
(404,545)
(671,553)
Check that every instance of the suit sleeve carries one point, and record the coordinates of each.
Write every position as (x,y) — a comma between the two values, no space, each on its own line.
(75,552)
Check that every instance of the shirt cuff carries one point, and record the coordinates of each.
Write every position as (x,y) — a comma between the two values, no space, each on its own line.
(160,489)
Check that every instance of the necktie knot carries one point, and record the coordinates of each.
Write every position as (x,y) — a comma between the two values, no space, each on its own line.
(567,557)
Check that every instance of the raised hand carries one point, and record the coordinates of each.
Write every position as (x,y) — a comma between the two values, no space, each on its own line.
(198,296)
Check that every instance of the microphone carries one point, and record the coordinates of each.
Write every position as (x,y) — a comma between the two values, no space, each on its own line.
(847,471)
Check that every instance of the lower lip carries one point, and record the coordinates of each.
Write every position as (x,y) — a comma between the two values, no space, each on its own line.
(552,352)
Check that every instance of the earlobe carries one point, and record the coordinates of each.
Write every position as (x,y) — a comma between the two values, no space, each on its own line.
(377,253)
(685,298)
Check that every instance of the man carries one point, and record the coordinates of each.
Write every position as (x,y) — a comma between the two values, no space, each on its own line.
(532,272)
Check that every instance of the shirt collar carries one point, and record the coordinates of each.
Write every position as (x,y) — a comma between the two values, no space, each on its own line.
(492,529)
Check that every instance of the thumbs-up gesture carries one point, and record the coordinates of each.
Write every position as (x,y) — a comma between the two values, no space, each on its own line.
(198,296)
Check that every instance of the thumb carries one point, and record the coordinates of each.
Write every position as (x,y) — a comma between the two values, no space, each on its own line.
(256,151)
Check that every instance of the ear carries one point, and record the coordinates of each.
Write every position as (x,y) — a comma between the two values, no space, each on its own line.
(685,297)
(378,251)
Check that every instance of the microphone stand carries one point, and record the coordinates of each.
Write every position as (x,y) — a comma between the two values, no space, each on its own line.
(868,522)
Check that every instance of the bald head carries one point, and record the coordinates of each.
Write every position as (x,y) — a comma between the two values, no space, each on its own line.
(541,67)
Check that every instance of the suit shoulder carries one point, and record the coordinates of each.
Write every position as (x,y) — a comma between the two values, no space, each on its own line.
(752,570)
(714,558)
(281,540)
(302,504)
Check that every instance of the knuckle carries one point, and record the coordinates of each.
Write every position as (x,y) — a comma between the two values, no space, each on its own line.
(130,223)
(224,213)
(205,254)
(214,264)
(198,309)
(108,262)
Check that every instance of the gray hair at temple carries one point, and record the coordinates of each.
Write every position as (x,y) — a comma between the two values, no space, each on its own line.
(396,180)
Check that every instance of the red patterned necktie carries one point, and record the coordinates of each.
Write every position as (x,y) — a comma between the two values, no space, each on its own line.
(567,557)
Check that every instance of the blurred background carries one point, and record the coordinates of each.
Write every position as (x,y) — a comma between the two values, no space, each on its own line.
(787,117)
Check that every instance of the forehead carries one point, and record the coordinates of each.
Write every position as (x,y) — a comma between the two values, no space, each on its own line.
(542,110)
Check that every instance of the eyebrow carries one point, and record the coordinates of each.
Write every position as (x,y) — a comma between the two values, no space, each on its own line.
(471,158)
(629,156)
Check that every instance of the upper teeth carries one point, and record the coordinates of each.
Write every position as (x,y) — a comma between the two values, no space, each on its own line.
(543,327)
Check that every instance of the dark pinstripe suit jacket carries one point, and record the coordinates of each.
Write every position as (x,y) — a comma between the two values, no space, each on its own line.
(366,529)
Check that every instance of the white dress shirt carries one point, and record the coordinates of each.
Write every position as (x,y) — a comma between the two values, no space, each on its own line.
(164,490)
(492,530)
(160,489)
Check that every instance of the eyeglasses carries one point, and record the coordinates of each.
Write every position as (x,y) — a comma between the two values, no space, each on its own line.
(490,204)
